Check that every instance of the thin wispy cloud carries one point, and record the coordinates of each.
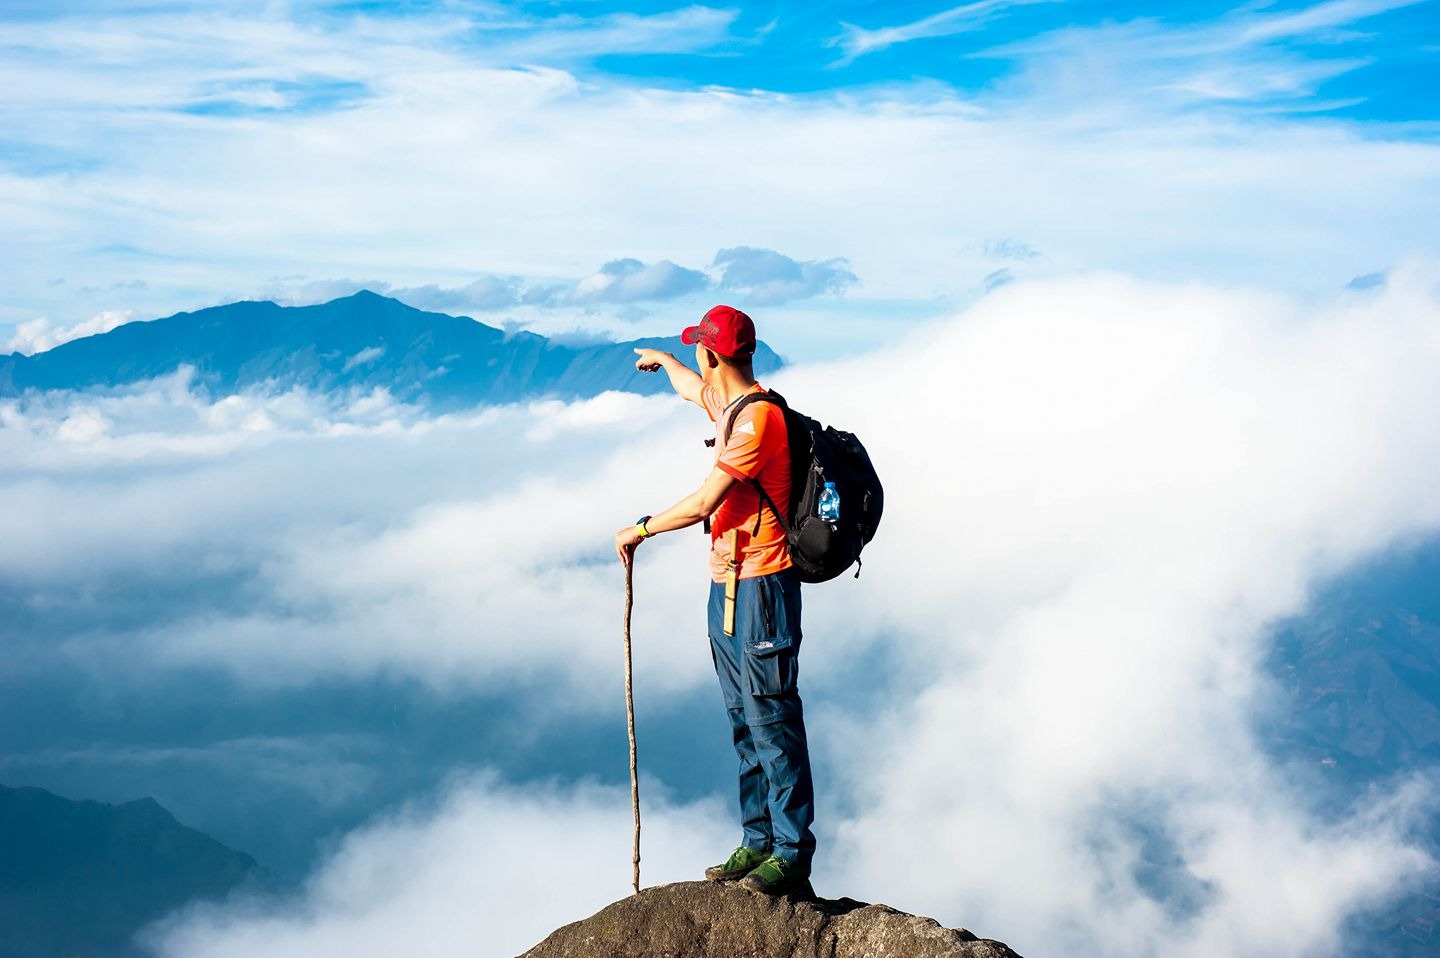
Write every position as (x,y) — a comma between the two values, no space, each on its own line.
(1316,21)
(567,37)
(858,41)
(1249,57)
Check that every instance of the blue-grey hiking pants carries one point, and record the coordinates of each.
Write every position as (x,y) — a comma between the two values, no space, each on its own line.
(758,667)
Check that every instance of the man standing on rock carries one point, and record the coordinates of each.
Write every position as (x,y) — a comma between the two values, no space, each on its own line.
(754,613)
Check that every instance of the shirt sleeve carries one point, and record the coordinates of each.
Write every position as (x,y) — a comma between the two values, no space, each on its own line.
(751,443)
(710,399)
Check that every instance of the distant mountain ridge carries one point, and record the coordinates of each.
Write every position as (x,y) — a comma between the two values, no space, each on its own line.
(361,342)
(81,877)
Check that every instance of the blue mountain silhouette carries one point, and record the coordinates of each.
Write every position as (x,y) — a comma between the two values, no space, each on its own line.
(81,877)
(361,341)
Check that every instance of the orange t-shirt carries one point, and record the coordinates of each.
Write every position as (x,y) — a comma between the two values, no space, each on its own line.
(758,448)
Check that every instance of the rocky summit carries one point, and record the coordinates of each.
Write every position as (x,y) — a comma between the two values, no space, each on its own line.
(714,920)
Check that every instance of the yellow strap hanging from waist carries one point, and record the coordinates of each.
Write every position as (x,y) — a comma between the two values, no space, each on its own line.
(732,581)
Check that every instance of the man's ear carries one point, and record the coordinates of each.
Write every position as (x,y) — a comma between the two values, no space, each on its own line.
(711,360)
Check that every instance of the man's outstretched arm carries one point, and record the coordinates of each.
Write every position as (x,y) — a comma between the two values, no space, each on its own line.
(697,506)
(685,381)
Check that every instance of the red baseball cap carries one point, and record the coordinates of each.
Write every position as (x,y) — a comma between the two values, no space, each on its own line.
(724,330)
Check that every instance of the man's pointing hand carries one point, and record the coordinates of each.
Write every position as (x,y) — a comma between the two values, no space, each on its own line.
(650,359)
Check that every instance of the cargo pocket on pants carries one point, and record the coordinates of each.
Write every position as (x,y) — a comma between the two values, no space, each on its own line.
(770,666)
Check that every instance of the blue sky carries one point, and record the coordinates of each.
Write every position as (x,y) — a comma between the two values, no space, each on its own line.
(162,156)
(1372,59)
(1383,54)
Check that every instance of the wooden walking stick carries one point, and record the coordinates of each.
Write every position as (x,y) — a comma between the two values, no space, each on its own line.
(630,717)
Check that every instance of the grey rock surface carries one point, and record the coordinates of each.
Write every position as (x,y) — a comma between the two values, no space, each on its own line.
(714,920)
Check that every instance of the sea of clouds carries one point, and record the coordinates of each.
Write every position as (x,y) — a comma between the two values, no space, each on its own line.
(1100,492)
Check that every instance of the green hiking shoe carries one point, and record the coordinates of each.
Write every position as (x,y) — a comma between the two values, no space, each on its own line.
(777,876)
(738,865)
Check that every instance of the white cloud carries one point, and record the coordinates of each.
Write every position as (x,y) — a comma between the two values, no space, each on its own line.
(766,277)
(299,291)
(367,355)
(489,871)
(1317,18)
(1109,490)
(1247,58)
(486,294)
(630,281)
(41,334)
(857,41)
(465,550)
(566,37)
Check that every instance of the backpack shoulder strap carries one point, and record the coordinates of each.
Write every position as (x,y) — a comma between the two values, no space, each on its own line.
(747,399)
(779,400)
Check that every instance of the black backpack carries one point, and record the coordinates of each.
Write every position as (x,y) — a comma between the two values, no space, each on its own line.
(819,549)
